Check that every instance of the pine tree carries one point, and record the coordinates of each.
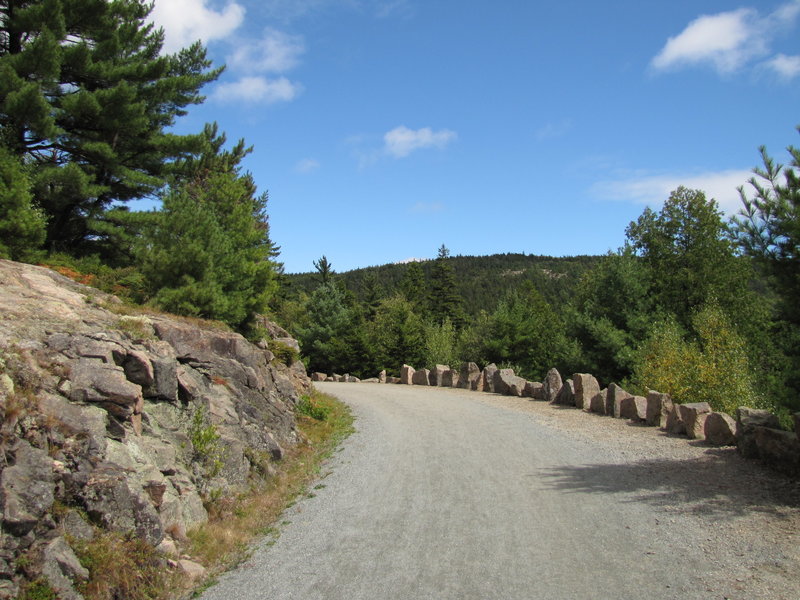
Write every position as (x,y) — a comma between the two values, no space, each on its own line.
(324,270)
(22,225)
(445,302)
(208,251)
(87,100)
(413,287)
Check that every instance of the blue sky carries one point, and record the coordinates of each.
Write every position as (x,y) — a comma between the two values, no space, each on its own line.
(385,128)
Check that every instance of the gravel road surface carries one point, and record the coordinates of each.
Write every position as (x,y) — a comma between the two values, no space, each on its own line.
(450,494)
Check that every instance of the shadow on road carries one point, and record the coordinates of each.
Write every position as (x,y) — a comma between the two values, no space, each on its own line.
(721,483)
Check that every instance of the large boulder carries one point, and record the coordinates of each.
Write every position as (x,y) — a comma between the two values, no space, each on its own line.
(533,390)
(566,395)
(488,377)
(586,387)
(720,429)
(421,377)
(675,424)
(407,375)
(658,408)
(633,408)
(318,377)
(598,402)
(382,376)
(450,378)
(614,398)
(468,375)
(508,384)
(778,449)
(551,385)
(436,376)
(693,415)
(747,420)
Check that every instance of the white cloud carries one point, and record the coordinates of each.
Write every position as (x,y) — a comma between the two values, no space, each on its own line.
(727,41)
(276,52)
(788,67)
(257,89)
(306,165)
(654,189)
(186,21)
(402,141)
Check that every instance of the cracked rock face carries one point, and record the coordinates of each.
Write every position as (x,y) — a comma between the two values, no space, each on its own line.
(100,412)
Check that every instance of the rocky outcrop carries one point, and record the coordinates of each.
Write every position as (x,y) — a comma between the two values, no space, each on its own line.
(106,413)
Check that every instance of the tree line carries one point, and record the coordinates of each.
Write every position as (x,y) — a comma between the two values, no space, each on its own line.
(693,304)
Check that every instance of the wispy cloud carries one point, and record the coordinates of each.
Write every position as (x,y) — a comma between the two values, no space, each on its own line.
(186,21)
(253,61)
(402,141)
(787,67)
(654,189)
(257,90)
(275,52)
(306,165)
(727,41)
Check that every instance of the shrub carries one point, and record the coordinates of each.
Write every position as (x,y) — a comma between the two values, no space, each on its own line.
(205,441)
(310,408)
(709,365)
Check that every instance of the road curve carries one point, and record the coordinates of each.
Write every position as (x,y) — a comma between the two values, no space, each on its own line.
(439,495)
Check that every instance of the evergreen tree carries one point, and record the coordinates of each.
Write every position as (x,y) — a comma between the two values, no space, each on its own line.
(87,101)
(329,322)
(324,270)
(412,286)
(22,225)
(444,300)
(208,251)
(691,261)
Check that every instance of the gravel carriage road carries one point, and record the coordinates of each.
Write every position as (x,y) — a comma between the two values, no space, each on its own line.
(449,494)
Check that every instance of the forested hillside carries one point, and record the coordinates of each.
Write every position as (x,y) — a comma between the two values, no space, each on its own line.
(480,280)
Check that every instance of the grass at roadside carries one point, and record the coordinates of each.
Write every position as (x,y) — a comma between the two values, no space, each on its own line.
(235,523)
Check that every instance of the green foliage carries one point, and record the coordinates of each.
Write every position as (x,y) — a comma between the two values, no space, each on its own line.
(524,329)
(87,102)
(22,224)
(768,229)
(397,335)
(329,320)
(207,253)
(38,589)
(205,442)
(690,260)
(444,303)
(324,270)
(710,364)
(441,344)
(610,315)
(284,353)
(311,408)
